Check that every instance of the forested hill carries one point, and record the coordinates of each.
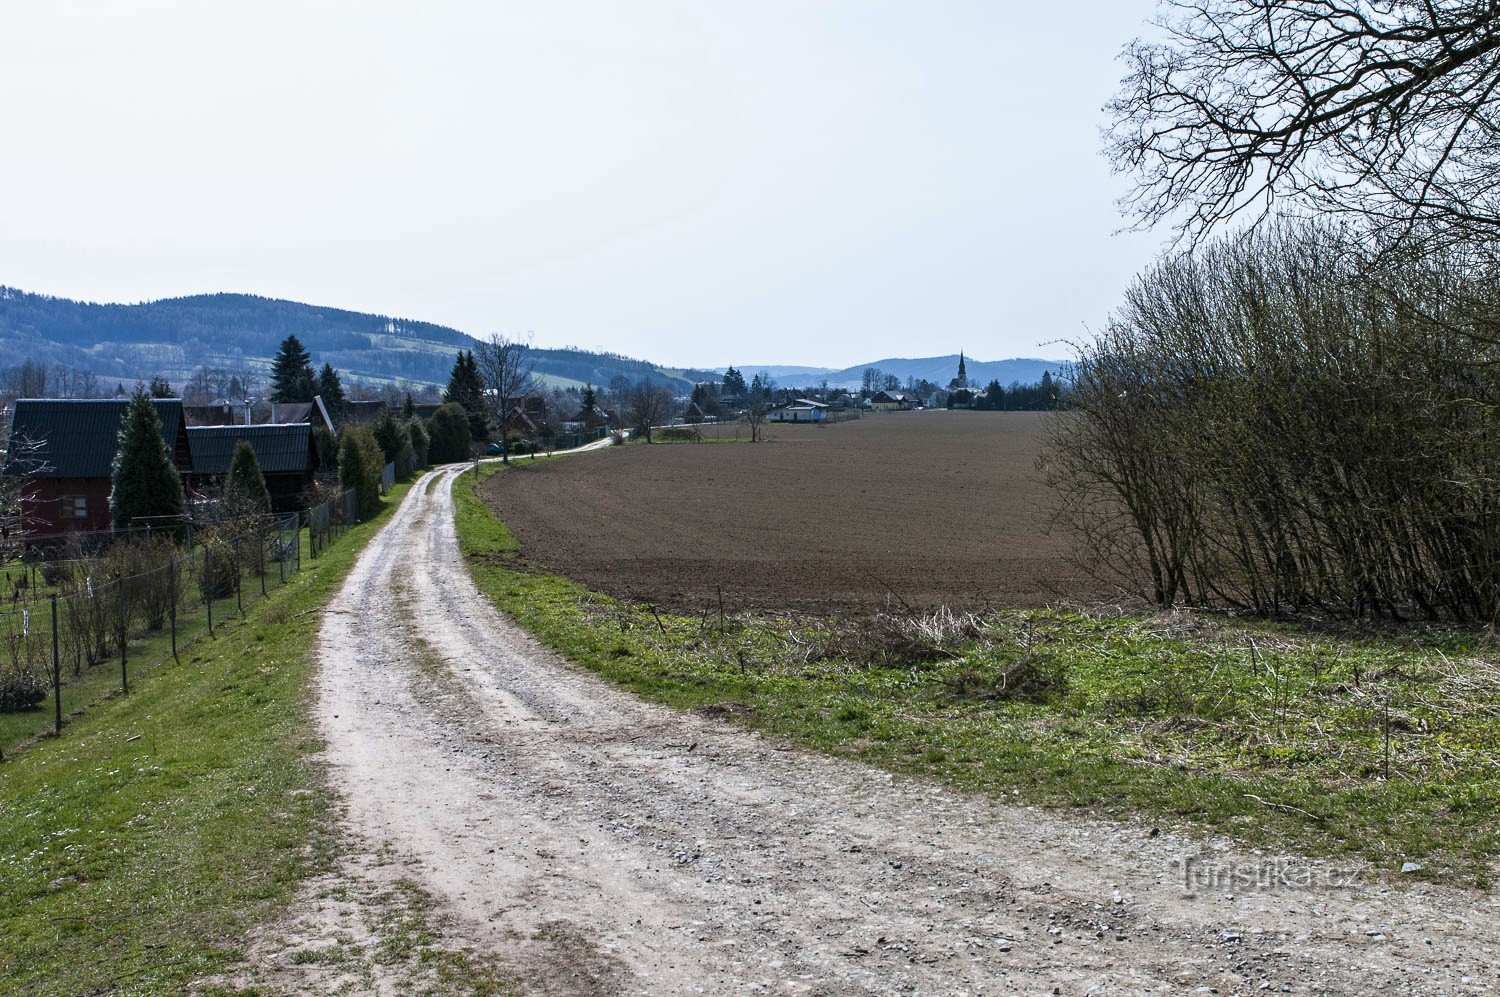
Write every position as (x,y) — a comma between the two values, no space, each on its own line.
(176,335)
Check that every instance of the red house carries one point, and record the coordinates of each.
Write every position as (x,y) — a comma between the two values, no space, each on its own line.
(65,449)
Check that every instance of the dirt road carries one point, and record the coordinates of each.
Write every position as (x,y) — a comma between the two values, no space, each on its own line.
(597,844)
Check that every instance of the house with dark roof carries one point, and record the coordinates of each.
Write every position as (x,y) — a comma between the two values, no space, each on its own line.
(70,458)
(313,412)
(286,453)
(893,401)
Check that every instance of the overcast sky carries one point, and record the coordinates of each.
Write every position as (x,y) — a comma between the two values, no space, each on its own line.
(696,183)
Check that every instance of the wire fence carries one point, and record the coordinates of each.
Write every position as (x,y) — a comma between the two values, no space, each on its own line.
(73,631)
(329,520)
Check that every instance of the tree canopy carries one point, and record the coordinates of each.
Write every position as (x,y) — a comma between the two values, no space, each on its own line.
(1381,110)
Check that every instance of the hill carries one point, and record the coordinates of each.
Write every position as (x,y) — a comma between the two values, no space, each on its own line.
(175,336)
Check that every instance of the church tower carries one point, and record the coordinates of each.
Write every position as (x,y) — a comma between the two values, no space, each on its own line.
(962,380)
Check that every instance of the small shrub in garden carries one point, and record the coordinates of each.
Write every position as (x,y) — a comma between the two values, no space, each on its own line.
(21,689)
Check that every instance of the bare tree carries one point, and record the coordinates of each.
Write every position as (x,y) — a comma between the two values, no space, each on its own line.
(758,404)
(648,405)
(508,373)
(27,379)
(1383,110)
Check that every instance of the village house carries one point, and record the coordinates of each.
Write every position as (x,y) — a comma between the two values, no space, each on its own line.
(286,453)
(313,412)
(892,401)
(800,410)
(66,448)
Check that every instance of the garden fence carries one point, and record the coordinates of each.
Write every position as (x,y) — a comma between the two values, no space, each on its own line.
(72,631)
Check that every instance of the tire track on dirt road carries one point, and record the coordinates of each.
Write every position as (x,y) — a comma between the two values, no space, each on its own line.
(597,843)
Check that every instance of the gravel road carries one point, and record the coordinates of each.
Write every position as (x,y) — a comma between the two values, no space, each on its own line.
(597,844)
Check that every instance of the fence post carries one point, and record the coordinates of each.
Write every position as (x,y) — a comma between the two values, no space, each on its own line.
(56,675)
(298,536)
(208,599)
(124,672)
(172,602)
(260,562)
(239,584)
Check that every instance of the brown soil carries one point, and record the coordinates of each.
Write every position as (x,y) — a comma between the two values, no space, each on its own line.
(922,508)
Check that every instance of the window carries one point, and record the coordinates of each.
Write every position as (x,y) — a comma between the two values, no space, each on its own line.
(73,507)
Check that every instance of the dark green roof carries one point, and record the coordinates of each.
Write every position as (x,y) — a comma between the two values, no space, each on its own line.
(79,437)
(280,449)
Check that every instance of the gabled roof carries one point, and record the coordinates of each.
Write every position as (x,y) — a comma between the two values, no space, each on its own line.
(79,437)
(280,449)
(810,403)
(285,413)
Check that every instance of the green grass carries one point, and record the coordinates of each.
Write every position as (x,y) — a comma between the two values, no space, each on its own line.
(1380,747)
(138,849)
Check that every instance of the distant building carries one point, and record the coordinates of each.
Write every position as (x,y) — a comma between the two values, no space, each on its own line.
(961,381)
(801,410)
(70,467)
(892,401)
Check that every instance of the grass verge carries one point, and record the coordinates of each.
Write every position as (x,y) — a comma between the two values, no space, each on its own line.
(137,850)
(1379,747)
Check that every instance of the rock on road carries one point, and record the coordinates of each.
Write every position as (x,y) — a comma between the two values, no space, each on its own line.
(596,843)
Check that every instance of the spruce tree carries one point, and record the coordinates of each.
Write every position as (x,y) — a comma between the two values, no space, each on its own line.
(332,389)
(145,482)
(245,492)
(466,388)
(292,374)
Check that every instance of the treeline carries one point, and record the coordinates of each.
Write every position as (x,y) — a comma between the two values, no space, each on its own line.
(1286,421)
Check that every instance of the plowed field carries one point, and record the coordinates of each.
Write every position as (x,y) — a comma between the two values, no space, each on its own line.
(923,508)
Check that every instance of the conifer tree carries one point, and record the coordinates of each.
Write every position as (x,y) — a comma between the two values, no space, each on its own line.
(292,374)
(145,482)
(245,492)
(466,388)
(331,387)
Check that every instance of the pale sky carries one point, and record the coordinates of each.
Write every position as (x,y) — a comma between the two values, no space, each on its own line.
(692,183)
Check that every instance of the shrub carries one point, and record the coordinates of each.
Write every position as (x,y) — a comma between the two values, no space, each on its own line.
(21,690)
(448,435)
(146,564)
(394,441)
(360,465)
(420,443)
(679,434)
(1027,678)
(219,569)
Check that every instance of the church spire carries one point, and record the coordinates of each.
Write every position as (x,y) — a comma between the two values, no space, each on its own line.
(963,376)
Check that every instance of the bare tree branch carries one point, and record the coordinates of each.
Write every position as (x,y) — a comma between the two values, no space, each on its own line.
(1384,110)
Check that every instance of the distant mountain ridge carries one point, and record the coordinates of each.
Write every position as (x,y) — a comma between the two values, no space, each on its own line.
(175,336)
